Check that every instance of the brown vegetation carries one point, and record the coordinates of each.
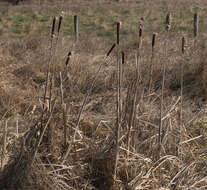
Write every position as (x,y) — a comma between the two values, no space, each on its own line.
(123,112)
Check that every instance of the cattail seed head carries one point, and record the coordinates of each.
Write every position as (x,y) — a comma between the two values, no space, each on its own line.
(60,22)
(76,27)
(168,21)
(195,24)
(111,49)
(153,40)
(53,27)
(122,57)
(118,32)
(140,32)
(141,26)
(184,44)
(68,58)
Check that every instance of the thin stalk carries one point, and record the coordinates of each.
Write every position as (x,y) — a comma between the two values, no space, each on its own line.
(119,108)
(181,92)
(152,60)
(132,115)
(4,146)
(84,102)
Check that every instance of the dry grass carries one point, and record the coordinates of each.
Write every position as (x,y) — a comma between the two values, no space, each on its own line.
(64,135)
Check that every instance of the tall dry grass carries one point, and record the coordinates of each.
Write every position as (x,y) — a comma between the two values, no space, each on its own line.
(83,138)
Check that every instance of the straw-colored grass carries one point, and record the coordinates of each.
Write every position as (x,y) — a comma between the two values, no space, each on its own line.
(124,110)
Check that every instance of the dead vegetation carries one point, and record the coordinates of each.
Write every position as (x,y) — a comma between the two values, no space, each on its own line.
(94,114)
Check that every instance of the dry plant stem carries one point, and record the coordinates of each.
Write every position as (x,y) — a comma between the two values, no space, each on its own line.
(162,102)
(181,95)
(64,109)
(84,102)
(50,90)
(86,98)
(61,89)
(50,76)
(49,64)
(80,113)
(43,132)
(4,146)
(118,122)
(134,101)
(151,65)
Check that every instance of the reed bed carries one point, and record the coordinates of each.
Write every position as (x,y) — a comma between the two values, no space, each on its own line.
(119,120)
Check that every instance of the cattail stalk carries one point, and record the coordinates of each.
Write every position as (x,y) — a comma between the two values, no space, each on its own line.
(168,27)
(4,146)
(152,58)
(49,64)
(181,91)
(119,107)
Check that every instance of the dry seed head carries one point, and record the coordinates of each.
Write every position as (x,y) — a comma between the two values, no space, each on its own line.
(141,26)
(153,40)
(168,21)
(195,24)
(118,32)
(53,27)
(68,57)
(122,57)
(60,22)
(184,44)
(140,32)
(111,49)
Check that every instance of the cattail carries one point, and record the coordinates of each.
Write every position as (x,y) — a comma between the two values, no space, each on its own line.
(168,21)
(153,40)
(152,58)
(53,27)
(122,57)
(111,49)
(68,58)
(195,23)
(59,24)
(76,27)
(184,44)
(118,32)
(140,32)
(141,26)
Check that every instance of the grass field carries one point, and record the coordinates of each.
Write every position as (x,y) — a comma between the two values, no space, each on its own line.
(101,121)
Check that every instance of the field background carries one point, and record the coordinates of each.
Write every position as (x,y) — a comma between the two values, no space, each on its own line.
(25,51)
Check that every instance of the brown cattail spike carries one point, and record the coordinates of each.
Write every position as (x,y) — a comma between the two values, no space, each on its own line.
(141,26)
(118,33)
(184,45)
(168,21)
(153,40)
(140,32)
(111,49)
(195,23)
(53,27)
(59,24)
(68,58)
(122,57)
(76,27)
